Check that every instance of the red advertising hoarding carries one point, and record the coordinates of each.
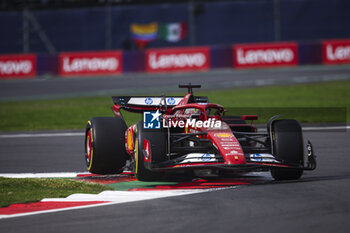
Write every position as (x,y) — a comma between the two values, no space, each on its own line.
(90,63)
(336,51)
(18,66)
(265,55)
(178,59)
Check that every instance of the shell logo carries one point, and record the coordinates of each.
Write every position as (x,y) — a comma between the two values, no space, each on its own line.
(223,135)
(130,141)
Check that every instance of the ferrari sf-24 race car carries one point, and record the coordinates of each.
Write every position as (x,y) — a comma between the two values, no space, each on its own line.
(190,134)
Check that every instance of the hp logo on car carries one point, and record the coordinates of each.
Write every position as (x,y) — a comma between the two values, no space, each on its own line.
(171,101)
(148,101)
(206,157)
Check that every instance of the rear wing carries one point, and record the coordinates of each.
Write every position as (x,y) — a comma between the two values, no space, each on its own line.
(150,103)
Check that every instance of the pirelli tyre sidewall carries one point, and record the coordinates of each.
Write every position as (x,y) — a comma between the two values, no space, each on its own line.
(104,145)
(143,173)
(287,146)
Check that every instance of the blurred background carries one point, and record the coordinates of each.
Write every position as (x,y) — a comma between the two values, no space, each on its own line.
(50,26)
(148,47)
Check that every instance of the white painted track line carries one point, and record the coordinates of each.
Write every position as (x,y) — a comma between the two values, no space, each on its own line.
(51,211)
(315,128)
(124,196)
(30,135)
(43,175)
(112,198)
(310,128)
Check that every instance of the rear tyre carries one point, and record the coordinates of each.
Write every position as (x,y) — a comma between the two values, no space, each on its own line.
(104,145)
(288,147)
(156,139)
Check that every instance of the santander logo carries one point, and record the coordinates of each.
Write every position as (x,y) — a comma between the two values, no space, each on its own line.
(15,67)
(90,64)
(255,56)
(182,60)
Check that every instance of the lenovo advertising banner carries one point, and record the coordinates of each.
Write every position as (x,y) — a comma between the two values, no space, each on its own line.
(18,66)
(265,55)
(336,51)
(90,63)
(178,59)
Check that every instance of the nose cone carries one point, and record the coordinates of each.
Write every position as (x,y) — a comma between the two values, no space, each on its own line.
(228,146)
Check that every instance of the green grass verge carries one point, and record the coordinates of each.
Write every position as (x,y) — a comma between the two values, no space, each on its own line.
(33,189)
(73,113)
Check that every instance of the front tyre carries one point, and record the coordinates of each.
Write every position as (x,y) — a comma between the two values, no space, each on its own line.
(288,147)
(104,145)
(156,141)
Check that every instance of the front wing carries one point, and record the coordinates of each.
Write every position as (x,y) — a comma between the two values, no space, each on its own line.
(254,162)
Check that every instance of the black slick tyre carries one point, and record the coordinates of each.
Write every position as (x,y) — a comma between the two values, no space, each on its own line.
(157,143)
(104,145)
(287,145)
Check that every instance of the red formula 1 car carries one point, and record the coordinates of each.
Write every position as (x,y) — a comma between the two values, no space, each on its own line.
(181,134)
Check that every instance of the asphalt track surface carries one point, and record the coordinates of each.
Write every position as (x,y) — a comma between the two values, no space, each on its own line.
(318,202)
(156,84)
